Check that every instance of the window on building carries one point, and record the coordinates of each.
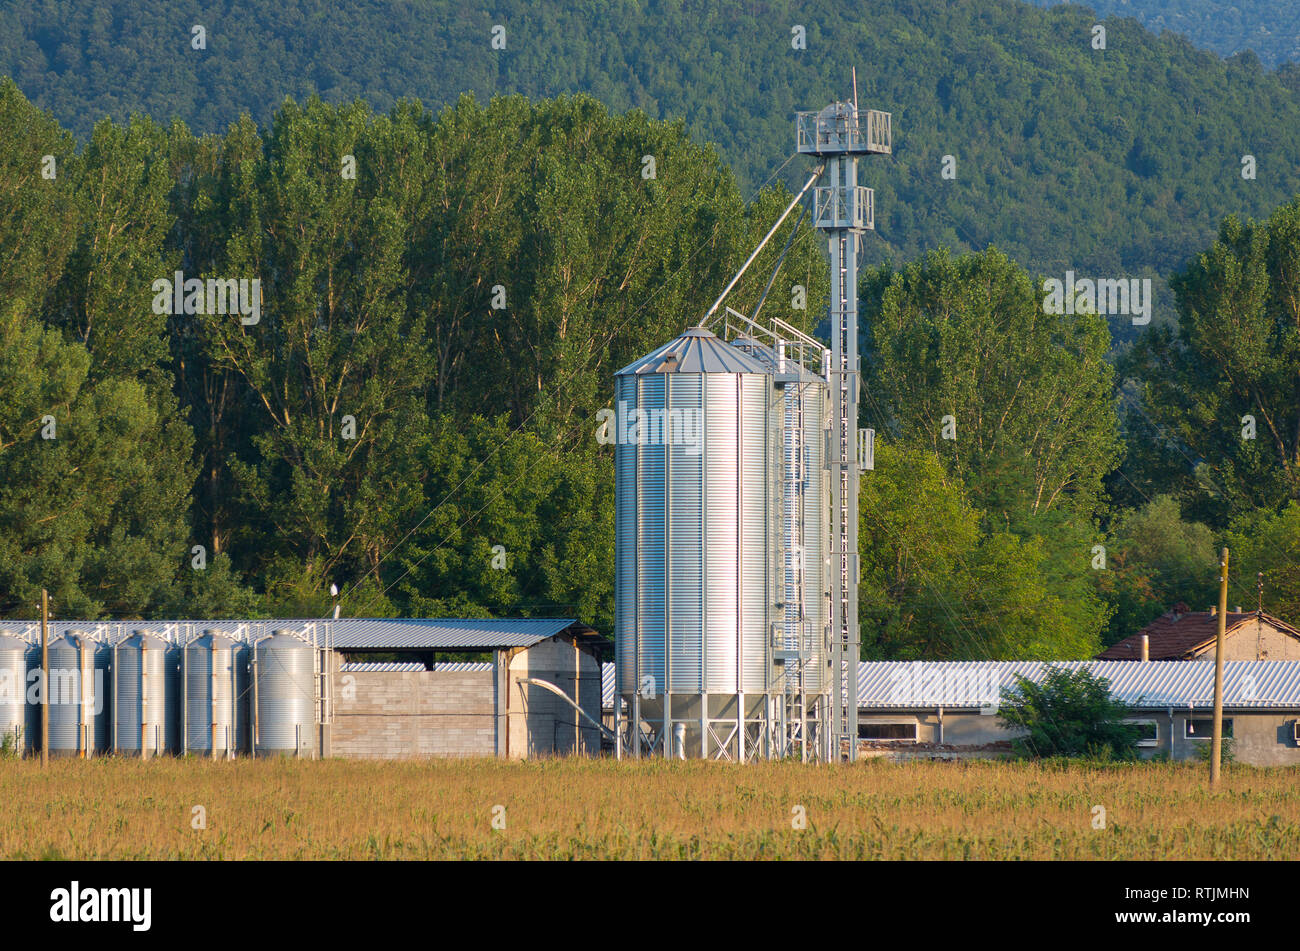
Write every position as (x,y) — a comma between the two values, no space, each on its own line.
(887,731)
(1202,728)
(1148,734)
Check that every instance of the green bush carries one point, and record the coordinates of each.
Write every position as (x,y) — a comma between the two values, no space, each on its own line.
(1069,714)
(1225,755)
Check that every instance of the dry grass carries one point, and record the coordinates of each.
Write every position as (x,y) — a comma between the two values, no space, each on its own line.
(599,809)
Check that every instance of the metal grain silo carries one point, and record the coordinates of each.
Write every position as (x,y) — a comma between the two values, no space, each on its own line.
(103,685)
(174,698)
(696,423)
(140,707)
(243,697)
(13,691)
(33,709)
(210,695)
(78,695)
(803,493)
(285,693)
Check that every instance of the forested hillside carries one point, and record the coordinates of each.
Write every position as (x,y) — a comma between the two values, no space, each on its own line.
(1269,28)
(1116,162)
(406,403)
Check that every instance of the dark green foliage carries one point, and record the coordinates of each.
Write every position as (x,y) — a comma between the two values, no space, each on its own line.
(963,363)
(1271,30)
(939,582)
(1268,544)
(1112,163)
(475,425)
(1068,714)
(97,513)
(1155,559)
(383,426)
(1224,385)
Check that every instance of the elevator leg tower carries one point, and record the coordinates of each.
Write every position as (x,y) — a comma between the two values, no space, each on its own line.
(844,210)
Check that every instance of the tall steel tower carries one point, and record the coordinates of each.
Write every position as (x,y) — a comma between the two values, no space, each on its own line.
(843,209)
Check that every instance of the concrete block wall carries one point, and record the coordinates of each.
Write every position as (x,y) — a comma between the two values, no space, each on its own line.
(400,715)
(540,723)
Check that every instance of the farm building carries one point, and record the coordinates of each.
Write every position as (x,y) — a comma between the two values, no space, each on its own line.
(378,688)
(1190,635)
(491,708)
(949,709)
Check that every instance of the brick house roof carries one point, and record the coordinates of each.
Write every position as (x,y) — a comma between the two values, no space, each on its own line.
(1182,635)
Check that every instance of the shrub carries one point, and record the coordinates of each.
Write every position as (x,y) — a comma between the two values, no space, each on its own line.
(1068,714)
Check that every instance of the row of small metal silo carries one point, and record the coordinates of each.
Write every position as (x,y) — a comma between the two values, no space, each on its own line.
(14,710)
(145,695)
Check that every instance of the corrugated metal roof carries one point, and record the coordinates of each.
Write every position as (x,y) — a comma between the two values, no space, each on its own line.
(444,634)
(407,667)
(1247,684)
(696,351)
(1157,684)
(449,634)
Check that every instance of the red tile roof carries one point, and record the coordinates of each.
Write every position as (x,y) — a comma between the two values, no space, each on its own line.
(1182,635)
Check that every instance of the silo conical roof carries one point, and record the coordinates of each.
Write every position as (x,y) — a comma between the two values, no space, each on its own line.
(146,640)
(10,643)
(211,640)
(696,351)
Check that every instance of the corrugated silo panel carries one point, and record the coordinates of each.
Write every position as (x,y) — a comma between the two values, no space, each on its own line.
(722,531)
(141,699)
(66,696)
(651,538)
(755,518)
(791,508)
(816,505)
(33,709)
(13,690)
(685,533)
(102,692)
(209,696)
(625,540)
(286,696)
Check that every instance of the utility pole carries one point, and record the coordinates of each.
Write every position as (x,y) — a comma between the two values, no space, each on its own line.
(1216,740)
(45,677)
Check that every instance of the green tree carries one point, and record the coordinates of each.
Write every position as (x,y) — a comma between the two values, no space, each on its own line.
(1068,714)
(1225,386)
(85,513)
(335,385)
(520,529)
(962,360)
(93,456)
(1154,560)
(937,584)
(1267,543)
(1017,402)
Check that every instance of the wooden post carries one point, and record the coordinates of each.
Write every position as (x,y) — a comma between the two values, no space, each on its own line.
(1216,740)
(45,677)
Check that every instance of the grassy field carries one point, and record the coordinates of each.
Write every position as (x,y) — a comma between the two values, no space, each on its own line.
(599,809)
